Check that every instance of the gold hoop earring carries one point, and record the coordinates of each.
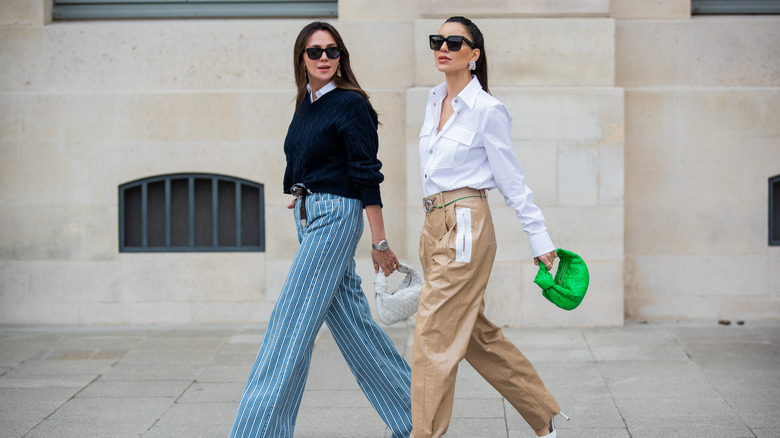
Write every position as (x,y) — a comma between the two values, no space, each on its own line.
(338,71)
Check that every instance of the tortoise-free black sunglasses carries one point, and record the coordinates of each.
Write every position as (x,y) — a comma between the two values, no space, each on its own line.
(315,53)
(453,42)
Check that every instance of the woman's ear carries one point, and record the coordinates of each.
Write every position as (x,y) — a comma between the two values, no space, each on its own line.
(475,54)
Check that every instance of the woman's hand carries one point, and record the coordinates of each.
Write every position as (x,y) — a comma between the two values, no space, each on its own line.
(292,204)
(385,260)
(547,259)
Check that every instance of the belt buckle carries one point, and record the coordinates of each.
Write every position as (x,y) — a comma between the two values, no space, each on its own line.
(427,205)
(298,190)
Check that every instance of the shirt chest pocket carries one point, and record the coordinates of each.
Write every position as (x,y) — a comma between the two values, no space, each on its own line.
(451,148)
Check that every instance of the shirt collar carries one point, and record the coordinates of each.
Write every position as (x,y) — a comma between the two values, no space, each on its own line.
(330,86)
(468,95)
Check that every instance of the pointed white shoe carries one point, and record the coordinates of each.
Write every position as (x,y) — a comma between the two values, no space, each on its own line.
(554,433)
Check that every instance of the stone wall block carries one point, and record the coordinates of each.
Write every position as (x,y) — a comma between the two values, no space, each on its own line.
(110,118)
(192,277)
(704,52)
(698,163)
(595,233)
(563,114)
(24,61)
(25,12)
(542,52)
(514,8)
(376,64)
(15,280)
(643,9)
(187,55)
(611,174)
(56,313)
(760,161)
(58,232)
(750,308)
(384,10)
(657,307)
(162,55)
(711,276)
(539,161)
(773,267)
(578,174)
(702,227)
(58,282)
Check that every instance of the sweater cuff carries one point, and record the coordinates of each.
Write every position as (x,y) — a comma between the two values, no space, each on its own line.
(370,195)
(540,244)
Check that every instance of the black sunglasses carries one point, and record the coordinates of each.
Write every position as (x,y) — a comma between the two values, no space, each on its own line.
(453,42)
(315,53)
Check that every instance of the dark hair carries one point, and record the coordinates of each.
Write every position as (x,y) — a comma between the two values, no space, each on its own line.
(479,43)
(347,79)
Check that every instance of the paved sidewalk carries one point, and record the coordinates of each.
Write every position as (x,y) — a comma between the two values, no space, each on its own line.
(640,381)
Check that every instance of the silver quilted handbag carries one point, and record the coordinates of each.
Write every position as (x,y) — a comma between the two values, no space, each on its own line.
(397,305)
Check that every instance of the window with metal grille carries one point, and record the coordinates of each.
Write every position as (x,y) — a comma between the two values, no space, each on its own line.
(735,7)
(191,213)
(105,9)
(774,211)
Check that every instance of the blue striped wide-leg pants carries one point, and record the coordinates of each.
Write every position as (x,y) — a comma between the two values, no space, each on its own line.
(322,286)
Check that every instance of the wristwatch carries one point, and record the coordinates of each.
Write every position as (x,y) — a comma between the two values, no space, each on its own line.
(381,246)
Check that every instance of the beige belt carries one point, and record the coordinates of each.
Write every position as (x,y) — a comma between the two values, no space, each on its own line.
(443,199)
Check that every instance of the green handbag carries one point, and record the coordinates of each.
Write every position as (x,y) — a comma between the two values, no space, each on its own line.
(571,280)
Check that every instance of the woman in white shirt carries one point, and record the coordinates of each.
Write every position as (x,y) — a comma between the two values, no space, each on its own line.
(466,150)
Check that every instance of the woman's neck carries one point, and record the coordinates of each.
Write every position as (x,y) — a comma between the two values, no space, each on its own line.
(456,82)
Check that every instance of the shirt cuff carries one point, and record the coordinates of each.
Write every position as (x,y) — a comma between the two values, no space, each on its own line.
(540,244)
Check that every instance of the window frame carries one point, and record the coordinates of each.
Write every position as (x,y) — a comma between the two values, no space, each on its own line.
(215,246)
(151,9)
(734,7)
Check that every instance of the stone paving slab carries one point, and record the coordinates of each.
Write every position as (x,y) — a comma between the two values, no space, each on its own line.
(134,388)
(640,381)
(194,420)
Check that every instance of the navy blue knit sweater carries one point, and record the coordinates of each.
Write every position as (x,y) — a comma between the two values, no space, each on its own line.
(331,147)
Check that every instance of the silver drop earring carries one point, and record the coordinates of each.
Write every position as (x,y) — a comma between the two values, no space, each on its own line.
(472,65)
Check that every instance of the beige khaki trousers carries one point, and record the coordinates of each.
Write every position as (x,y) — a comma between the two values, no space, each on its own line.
(457,249)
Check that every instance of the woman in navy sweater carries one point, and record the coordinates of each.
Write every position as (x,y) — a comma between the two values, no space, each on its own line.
(333,171)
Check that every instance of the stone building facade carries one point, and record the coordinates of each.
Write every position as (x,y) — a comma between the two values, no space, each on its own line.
(647,134)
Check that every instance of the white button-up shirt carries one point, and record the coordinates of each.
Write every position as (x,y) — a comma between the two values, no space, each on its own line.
(474,149)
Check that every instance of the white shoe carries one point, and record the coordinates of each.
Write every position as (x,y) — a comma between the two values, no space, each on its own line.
(554,433)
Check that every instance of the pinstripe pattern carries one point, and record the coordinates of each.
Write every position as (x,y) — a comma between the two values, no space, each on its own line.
(322,286)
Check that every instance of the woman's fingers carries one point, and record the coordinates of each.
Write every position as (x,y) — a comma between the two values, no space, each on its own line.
(547,259)
(385,260)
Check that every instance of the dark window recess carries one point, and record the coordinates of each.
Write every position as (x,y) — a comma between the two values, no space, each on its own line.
(774,211)
(121,9)
(734,7)
(191,212)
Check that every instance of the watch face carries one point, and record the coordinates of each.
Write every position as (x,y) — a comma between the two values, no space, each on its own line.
(381,246)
